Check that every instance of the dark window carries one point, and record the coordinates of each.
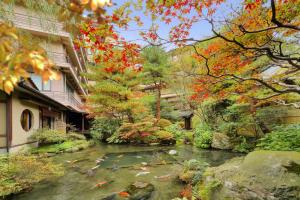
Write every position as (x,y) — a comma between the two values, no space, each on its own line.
(40,84)
(26,120)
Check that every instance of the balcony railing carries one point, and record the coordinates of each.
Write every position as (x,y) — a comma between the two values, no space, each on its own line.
(38,23)
(59,59)
(65,98)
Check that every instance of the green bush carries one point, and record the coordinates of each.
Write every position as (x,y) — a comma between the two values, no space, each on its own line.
(75,136)
(203,136)
(244,146)
(142,131)
(163,123)
(102,128)
(206,191)
(282,138)
(176,130)
(48,136)
(193,171)
(20,172)
(67,146)
(162,135)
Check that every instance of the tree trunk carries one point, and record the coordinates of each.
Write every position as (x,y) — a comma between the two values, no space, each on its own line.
(158,102)
(130,117)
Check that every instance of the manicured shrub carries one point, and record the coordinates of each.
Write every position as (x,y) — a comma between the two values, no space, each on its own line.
(163,135)
(139,132)
(20,172)
(102,128)
(163,123)
(67,146)
(282,138)
(75,136)
(48,136)
(203,136)
(176,130)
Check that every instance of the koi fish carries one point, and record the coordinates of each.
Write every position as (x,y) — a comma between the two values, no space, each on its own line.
(144,168)
(142,173)
(124,194)
(101,184)
(163,177)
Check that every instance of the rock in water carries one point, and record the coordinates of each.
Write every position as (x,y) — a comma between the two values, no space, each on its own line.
(172,152)
(261,175)
(140,191)
(221,141)
(110,197)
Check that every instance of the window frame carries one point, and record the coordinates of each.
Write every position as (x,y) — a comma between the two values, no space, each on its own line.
(29,122)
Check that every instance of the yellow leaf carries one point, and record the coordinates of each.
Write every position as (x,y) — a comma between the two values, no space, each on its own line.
(8,87)
(84,1)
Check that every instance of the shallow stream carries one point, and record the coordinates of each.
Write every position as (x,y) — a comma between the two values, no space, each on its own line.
(120,165)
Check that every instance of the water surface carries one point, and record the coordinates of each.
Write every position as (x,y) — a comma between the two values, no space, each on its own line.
(120,166)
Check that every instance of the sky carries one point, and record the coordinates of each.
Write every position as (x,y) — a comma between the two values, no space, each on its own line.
(200,30)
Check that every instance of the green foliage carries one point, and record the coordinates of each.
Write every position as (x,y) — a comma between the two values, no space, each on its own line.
(103,128)
(207,190)
(163,123)
(176,130)
(115,93)
(48,136)
(75,136)
(230,118)
(203,136)
(156,64)
(20,172)
(282,138)
(193,171)
(244,146)
(163,135)
(139,132)
(67,146)
(271,116)
(194,164)
(167,110)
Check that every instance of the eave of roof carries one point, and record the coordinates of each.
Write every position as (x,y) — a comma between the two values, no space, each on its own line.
(38,96)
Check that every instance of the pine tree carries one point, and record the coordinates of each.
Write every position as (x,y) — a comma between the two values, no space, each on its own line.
(156,65)
(115,93)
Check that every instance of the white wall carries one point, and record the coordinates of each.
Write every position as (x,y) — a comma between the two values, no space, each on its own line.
(2,124)
(19,135)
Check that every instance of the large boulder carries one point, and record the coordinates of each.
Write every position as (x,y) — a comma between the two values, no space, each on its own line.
(250,131)
(261,175)
(221,141)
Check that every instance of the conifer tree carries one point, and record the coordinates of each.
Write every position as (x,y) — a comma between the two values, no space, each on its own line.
(156,65)
(115,93)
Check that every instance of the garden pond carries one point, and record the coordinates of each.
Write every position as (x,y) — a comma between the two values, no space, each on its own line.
(103,170)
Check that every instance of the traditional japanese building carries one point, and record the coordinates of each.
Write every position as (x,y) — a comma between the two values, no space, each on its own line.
(34,104)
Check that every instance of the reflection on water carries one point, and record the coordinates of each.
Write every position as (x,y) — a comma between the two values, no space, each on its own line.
(122,165)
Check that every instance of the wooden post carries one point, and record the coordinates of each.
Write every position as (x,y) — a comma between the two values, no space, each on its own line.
(82,123)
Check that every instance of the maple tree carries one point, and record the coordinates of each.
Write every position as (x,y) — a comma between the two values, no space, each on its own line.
(252,54)
(17,61)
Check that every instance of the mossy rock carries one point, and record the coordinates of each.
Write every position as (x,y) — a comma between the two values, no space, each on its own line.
(222,141)
(261,175)
(140,191)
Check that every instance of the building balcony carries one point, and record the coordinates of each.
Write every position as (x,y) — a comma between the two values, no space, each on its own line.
(72,61)
(67,99)
(38,24)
